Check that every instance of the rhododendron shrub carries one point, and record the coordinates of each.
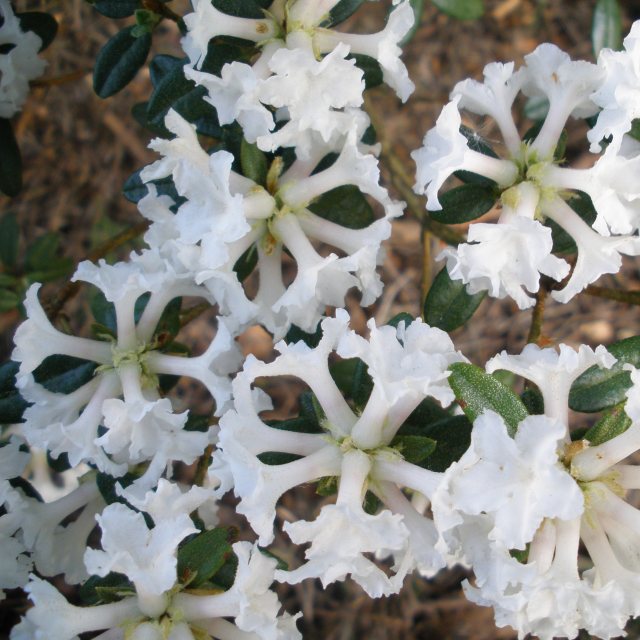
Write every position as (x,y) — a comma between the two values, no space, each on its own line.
(266,158)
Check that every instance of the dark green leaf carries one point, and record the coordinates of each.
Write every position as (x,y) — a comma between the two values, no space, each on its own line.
(254,163)
(372,70)
(609,426)
(9,300)
(606,27)
(405,317)
(634,132)
(242,8)
(342,11)
(203,556)
(276,458)
(296,334)
(426,413)
(10,161)
(465,203)
(453,437)
(63,374)
(119,61)
(57,268)
(371,503)
(9,240)
(533,401)
(111,588)
(414,449)
(312,413)
(327,486)
(161,65)
(107,486)
(448,305)
(134,189)
(42,252)
(345,206)
(477,392)
(598,388)
(246,263)
(12,405)
(461,9)
(42,24)
(117,8)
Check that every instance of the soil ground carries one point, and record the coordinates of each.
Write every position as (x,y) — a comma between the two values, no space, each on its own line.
(78,150)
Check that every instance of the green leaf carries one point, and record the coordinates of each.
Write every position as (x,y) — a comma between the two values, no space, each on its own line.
(345,206)
(461,9)
(134,189)
(606,27)
(477,392)
(598,388)
(242,8)
(296,334)
(327,486)
(9,300)
(414,449)
(57,268)
(448,305)
(403,316)
(42,252)
(42,24)
(10,161)
(203,556)
(246,263)
(12,404)
(609,426)
(119,61)
(107,486)
(372,70)
(634,132)
(453,437)
(161,65)
(111,588)
(9,240)
(254,163)
(63,374)
(146,22)
(117,8)
(342,11)
(465,203)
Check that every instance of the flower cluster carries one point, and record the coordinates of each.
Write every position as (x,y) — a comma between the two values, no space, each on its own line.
(19,61)
(509,492)
(507,259)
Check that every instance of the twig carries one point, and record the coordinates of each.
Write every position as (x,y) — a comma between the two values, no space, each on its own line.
(537,317)
(65,78)
(192,313)
(203,465)
(630,297)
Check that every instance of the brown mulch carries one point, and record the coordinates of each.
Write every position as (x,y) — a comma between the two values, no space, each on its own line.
(78,150)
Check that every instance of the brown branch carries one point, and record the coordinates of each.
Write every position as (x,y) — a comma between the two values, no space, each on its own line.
(192,313)
(55,304)
(537,317)
(65,78)
(630,297)
(204,461)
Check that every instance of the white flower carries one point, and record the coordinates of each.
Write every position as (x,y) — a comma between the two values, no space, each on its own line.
(19,61)
(146,556)
(382,46)
(522,481)
(356,448)
(619,94)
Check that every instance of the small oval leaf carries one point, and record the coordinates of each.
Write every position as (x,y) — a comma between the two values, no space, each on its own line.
(465,203)
(448,305)
(119,61)
(461,9)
